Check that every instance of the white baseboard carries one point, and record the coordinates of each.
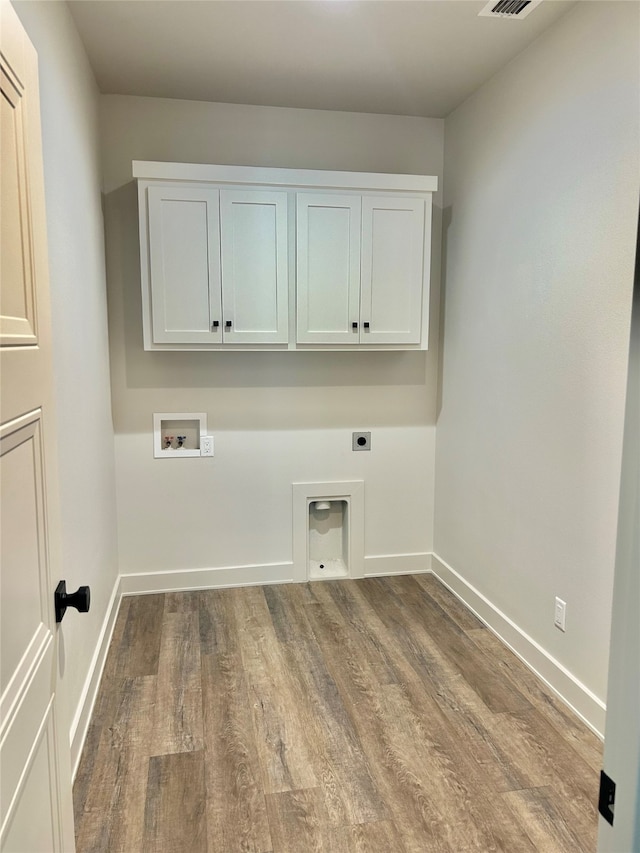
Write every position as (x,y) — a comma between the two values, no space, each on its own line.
(566,686)
(82,716)
(183,580)
(396,564)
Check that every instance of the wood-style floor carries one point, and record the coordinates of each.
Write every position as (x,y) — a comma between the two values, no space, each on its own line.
(373,715)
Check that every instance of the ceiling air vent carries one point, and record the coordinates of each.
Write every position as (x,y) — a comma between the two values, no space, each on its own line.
(509,8)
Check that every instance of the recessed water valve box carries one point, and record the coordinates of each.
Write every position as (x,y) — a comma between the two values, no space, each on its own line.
(177,435)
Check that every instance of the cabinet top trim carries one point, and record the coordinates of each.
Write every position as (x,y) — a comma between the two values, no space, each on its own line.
(155,170)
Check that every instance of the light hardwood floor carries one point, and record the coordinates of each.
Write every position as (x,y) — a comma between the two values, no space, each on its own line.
(375,715)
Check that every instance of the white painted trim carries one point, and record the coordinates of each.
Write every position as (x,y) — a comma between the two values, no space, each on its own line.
(582,701)
(258,175)
(384,565)
(184,580)
(82,716)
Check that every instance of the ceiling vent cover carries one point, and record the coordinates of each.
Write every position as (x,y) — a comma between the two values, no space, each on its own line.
(509,8)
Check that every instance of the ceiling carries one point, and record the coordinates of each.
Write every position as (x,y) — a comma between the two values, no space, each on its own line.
(419,58)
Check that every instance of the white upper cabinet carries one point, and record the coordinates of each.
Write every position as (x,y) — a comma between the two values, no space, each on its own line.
(360,269)
(184,247)
(393,249)
(218,266)
(328,268)
(255,281)
(259,258)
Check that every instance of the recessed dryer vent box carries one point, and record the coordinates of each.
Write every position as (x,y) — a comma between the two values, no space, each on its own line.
(178,434)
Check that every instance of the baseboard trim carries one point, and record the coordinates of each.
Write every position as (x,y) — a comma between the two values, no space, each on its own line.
(396,564)
(82,717)
(183,580)
(564,684)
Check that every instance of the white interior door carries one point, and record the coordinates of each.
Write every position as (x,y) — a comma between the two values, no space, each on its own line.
(622,733)
(255,266)
(35,777)
(393,238)
(328,268)
(184,253)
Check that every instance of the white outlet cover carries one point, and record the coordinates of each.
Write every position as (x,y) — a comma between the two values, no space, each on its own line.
(206,445)
(560,616)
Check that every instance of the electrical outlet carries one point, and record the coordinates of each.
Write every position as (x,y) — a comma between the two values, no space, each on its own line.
(560,617)
(361,441)
(206,445)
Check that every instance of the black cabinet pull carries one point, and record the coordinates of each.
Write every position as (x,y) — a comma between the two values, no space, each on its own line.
(366,325)
(228,324)
(80,599)
(215,324)
(354,325)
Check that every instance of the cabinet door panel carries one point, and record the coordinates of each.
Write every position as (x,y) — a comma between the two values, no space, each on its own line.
(255,265)
(392,269)
(184,251)
(328,268)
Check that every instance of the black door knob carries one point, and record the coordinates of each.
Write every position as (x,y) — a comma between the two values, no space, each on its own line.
(80,599)
(228,324)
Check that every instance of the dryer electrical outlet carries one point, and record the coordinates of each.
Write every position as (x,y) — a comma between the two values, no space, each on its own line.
(361,441)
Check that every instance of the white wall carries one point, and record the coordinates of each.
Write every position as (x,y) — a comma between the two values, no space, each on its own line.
(69,106)
(541,193)
(277,417)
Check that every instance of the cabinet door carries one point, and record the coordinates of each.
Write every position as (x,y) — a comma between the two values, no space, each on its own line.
(328,268)
(184,253)
(393,237)
(255,266)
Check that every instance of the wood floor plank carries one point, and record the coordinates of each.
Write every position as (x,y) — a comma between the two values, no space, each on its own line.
(377,837)
(378,654)
(275,699)
(103,710)
(139,649)
(408,753)
(584,741)
(299,822)
(495,692)
(182,602)
(236,807)
(574,783)
(549,833)
(174,817)
(113,817)
(343,716)
(452,606)
(178,710)
(439,691)
(357,800)
(456,807)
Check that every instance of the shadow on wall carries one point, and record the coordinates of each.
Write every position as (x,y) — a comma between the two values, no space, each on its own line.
(391,388)
(446,217)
